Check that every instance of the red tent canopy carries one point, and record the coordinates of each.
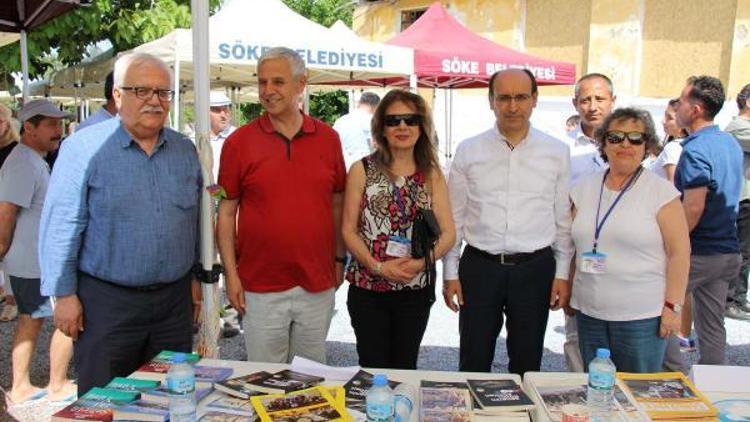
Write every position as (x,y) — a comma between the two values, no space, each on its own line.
(449,55)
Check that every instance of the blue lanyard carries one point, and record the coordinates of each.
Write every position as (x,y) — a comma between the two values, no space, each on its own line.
(401,205)
(599,225)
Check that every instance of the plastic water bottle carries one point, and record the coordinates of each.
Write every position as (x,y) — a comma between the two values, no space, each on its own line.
(379,400)
(601,384)
(403,402)
(181,385)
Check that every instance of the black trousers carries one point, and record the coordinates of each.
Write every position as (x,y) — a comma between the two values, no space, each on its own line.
(124,328)
(389,326)
(738,285)
(520,294)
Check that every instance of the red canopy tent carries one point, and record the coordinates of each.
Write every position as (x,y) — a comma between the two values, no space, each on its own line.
(449,55)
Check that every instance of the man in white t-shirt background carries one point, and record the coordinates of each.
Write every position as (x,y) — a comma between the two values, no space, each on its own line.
(354,129)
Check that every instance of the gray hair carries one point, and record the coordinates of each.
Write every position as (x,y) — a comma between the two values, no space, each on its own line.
(627,113)
(125,62)
(590,76)
(292,57)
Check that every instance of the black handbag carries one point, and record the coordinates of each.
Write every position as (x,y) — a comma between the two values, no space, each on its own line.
(424,233)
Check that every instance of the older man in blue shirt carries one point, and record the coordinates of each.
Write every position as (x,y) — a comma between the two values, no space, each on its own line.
(119,229)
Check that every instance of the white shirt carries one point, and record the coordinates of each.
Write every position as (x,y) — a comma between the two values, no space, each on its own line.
(669,155)
(101,115)
(354,131)
(217,143)
(634,285)
(511,201)
(584,155)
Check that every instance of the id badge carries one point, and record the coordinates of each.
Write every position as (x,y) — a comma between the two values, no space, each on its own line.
(398,247)
(594,262)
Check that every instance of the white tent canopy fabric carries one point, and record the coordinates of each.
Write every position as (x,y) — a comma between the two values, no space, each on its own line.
(243,29)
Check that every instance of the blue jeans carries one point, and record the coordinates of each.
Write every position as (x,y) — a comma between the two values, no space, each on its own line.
(635,346)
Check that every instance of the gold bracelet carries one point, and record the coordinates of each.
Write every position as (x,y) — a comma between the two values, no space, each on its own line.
(379,268)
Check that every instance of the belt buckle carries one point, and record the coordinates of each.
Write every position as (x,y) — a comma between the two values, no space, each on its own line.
(503,262)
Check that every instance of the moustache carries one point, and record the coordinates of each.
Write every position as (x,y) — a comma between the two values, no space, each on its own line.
(151,109)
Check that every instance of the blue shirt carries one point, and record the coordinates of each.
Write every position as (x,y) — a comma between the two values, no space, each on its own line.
(712,159)
(118,214)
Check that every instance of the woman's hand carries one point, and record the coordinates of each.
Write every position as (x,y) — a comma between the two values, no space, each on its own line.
(670,322)
(413,266)
(393,270)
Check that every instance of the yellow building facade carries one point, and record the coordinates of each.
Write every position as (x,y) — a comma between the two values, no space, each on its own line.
(647,47)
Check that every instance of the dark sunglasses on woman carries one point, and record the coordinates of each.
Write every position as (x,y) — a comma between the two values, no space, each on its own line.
(617,136)
(393,120)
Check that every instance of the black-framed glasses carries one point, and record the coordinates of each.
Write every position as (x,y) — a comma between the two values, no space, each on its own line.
(394,120)
(618,136)
(145,93)
(518,98)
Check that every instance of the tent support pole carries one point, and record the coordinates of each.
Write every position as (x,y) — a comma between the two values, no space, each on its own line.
(176,111)
(25,65)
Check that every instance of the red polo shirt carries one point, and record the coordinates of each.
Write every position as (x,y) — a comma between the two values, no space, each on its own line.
(285,231)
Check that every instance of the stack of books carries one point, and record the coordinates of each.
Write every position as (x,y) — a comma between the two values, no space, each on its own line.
(500,398)
(668,396)
(311,404)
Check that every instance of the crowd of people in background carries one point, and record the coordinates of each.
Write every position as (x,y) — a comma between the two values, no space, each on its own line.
(636,239)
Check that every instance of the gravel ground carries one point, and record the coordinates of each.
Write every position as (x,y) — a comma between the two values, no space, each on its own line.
(439,351)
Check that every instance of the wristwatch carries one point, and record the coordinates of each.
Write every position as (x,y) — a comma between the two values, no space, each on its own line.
(675,307)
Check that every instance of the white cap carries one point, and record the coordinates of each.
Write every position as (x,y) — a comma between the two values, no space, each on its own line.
(41,108)
(219,99)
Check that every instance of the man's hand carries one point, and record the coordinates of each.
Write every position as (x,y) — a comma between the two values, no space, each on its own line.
(197,294)
(69,315)
(560,294)
(235,293)
(339,274)
(670,322)
(451,289)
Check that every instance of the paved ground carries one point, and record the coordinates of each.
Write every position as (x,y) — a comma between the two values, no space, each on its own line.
(439,351)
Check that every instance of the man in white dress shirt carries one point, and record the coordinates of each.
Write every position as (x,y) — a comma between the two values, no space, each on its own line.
(220,118)
(594,100)
(509,193)
(354,129)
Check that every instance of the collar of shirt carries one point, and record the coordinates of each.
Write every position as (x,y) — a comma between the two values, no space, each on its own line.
(700,132)
(308,124)
(579,138)
(504,139)
(224,134)
(126,139)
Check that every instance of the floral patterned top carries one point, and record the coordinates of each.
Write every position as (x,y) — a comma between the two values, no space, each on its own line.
(387,208)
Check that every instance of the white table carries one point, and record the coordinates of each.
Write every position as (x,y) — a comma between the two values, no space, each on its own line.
(412,377)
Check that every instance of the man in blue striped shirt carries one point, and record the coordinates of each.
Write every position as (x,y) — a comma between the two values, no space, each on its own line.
(119,230)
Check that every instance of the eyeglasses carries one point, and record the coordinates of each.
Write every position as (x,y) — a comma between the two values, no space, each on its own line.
(618,136)
(506,99)
(146,93)
(393,120)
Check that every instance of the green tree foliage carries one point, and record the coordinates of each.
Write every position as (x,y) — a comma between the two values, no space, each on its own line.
(125,23)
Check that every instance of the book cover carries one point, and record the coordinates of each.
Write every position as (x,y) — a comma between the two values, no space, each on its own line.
(285,381)
(242,387)
(132,384)
(444,404)
(160,394)
(499,396)
(231,405)
(96,405)
(554,397)
(141,410)
(313,404)
(667,395)
(168,356)
(157,370)
(214,416)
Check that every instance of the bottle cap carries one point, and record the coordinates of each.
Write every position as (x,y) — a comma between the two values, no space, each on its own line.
(380,379)
(602,353)
(179,358)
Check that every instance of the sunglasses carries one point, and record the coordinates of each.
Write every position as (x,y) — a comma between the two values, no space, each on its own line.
(393,120)
(618,136)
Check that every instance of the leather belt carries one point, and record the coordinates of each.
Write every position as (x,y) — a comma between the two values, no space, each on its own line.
(509,258)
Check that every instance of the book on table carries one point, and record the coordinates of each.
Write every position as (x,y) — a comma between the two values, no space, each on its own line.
(96,405)
(141,410)
(214,416)
(311,404)
(160,394)
(284,382)
(157,370)
(500,396)
(667,395)
(356,389)
(444,404)
(132,384)
(231,405)
(242,387)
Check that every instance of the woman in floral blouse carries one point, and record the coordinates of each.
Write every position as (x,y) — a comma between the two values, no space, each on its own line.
(390,293)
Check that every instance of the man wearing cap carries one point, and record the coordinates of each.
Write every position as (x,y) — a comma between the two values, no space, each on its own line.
(105,112)
(119,231)
(221,125)
(23,186)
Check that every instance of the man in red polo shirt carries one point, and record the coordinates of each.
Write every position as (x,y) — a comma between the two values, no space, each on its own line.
(284,178)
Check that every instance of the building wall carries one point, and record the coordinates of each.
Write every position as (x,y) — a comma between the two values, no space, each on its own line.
(648,47)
